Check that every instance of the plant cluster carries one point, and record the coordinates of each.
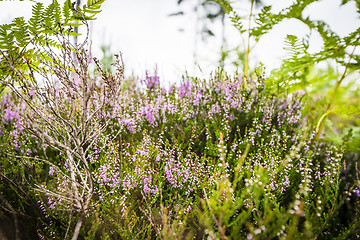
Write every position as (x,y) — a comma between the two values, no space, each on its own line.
(209,158)
(89,154)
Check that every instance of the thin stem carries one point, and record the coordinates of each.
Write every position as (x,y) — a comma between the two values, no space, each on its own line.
(246,72)
(332,99)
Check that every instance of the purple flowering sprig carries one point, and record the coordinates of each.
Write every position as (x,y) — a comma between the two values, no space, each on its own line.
(151,81)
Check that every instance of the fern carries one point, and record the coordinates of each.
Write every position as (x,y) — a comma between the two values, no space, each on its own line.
(295,47)
(93,6)
(236,20)
(226,6)
(57,14)
(348,110)
(35,20)
(89,10)
(353,38)
(67,12)
(21,32)
(265,21)
(234,17)
(295,66)
(44,23)
(48,19)
(7,37)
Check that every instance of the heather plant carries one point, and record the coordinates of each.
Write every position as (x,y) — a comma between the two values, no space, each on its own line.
(205,158)
(67,112)
(98,156)
(263,176)
(17,200)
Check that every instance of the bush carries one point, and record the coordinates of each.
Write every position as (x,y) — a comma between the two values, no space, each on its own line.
(217,158)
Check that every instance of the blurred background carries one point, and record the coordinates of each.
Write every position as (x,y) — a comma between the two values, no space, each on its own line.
(172,35)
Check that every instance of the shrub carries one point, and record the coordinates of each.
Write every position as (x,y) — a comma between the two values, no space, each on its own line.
(213,158)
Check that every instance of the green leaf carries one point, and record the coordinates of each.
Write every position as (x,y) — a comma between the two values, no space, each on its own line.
(89,11)
(21,32)
(265,21)
(7,37)
(67,11)
(35,20)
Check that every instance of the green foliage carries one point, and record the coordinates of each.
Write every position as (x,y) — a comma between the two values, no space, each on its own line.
(295,66)
(265,21)
(92,7)
(7,37)
(21,32)
(235,18)
(67,11)
(216,158)
(17,38)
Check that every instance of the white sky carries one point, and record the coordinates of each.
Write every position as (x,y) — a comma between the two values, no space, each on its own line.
(142,30)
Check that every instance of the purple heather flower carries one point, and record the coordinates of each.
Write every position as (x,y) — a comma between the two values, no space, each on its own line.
(234,104)
(169,175)
(10,115)
(51,170)
(198,97)
(151,81)
(213,109)
(357,192)
(155,190)
(137,171)
(184,89)
(188,209)
(287,182)
(146,188)
(22,105)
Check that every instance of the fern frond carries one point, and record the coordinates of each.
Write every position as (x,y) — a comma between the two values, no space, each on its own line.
(234,17)
(353,38)
(21,32)
(35,27)
(93,6)
(225,5)
(237,22)
(265,21)
(331,39)
(48,19)
(90,9)
(297,64)
(297,8)
(7,37)
(347,110)
(39,31)
(294,47)
(35,20)
(57,13)
(67,12)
